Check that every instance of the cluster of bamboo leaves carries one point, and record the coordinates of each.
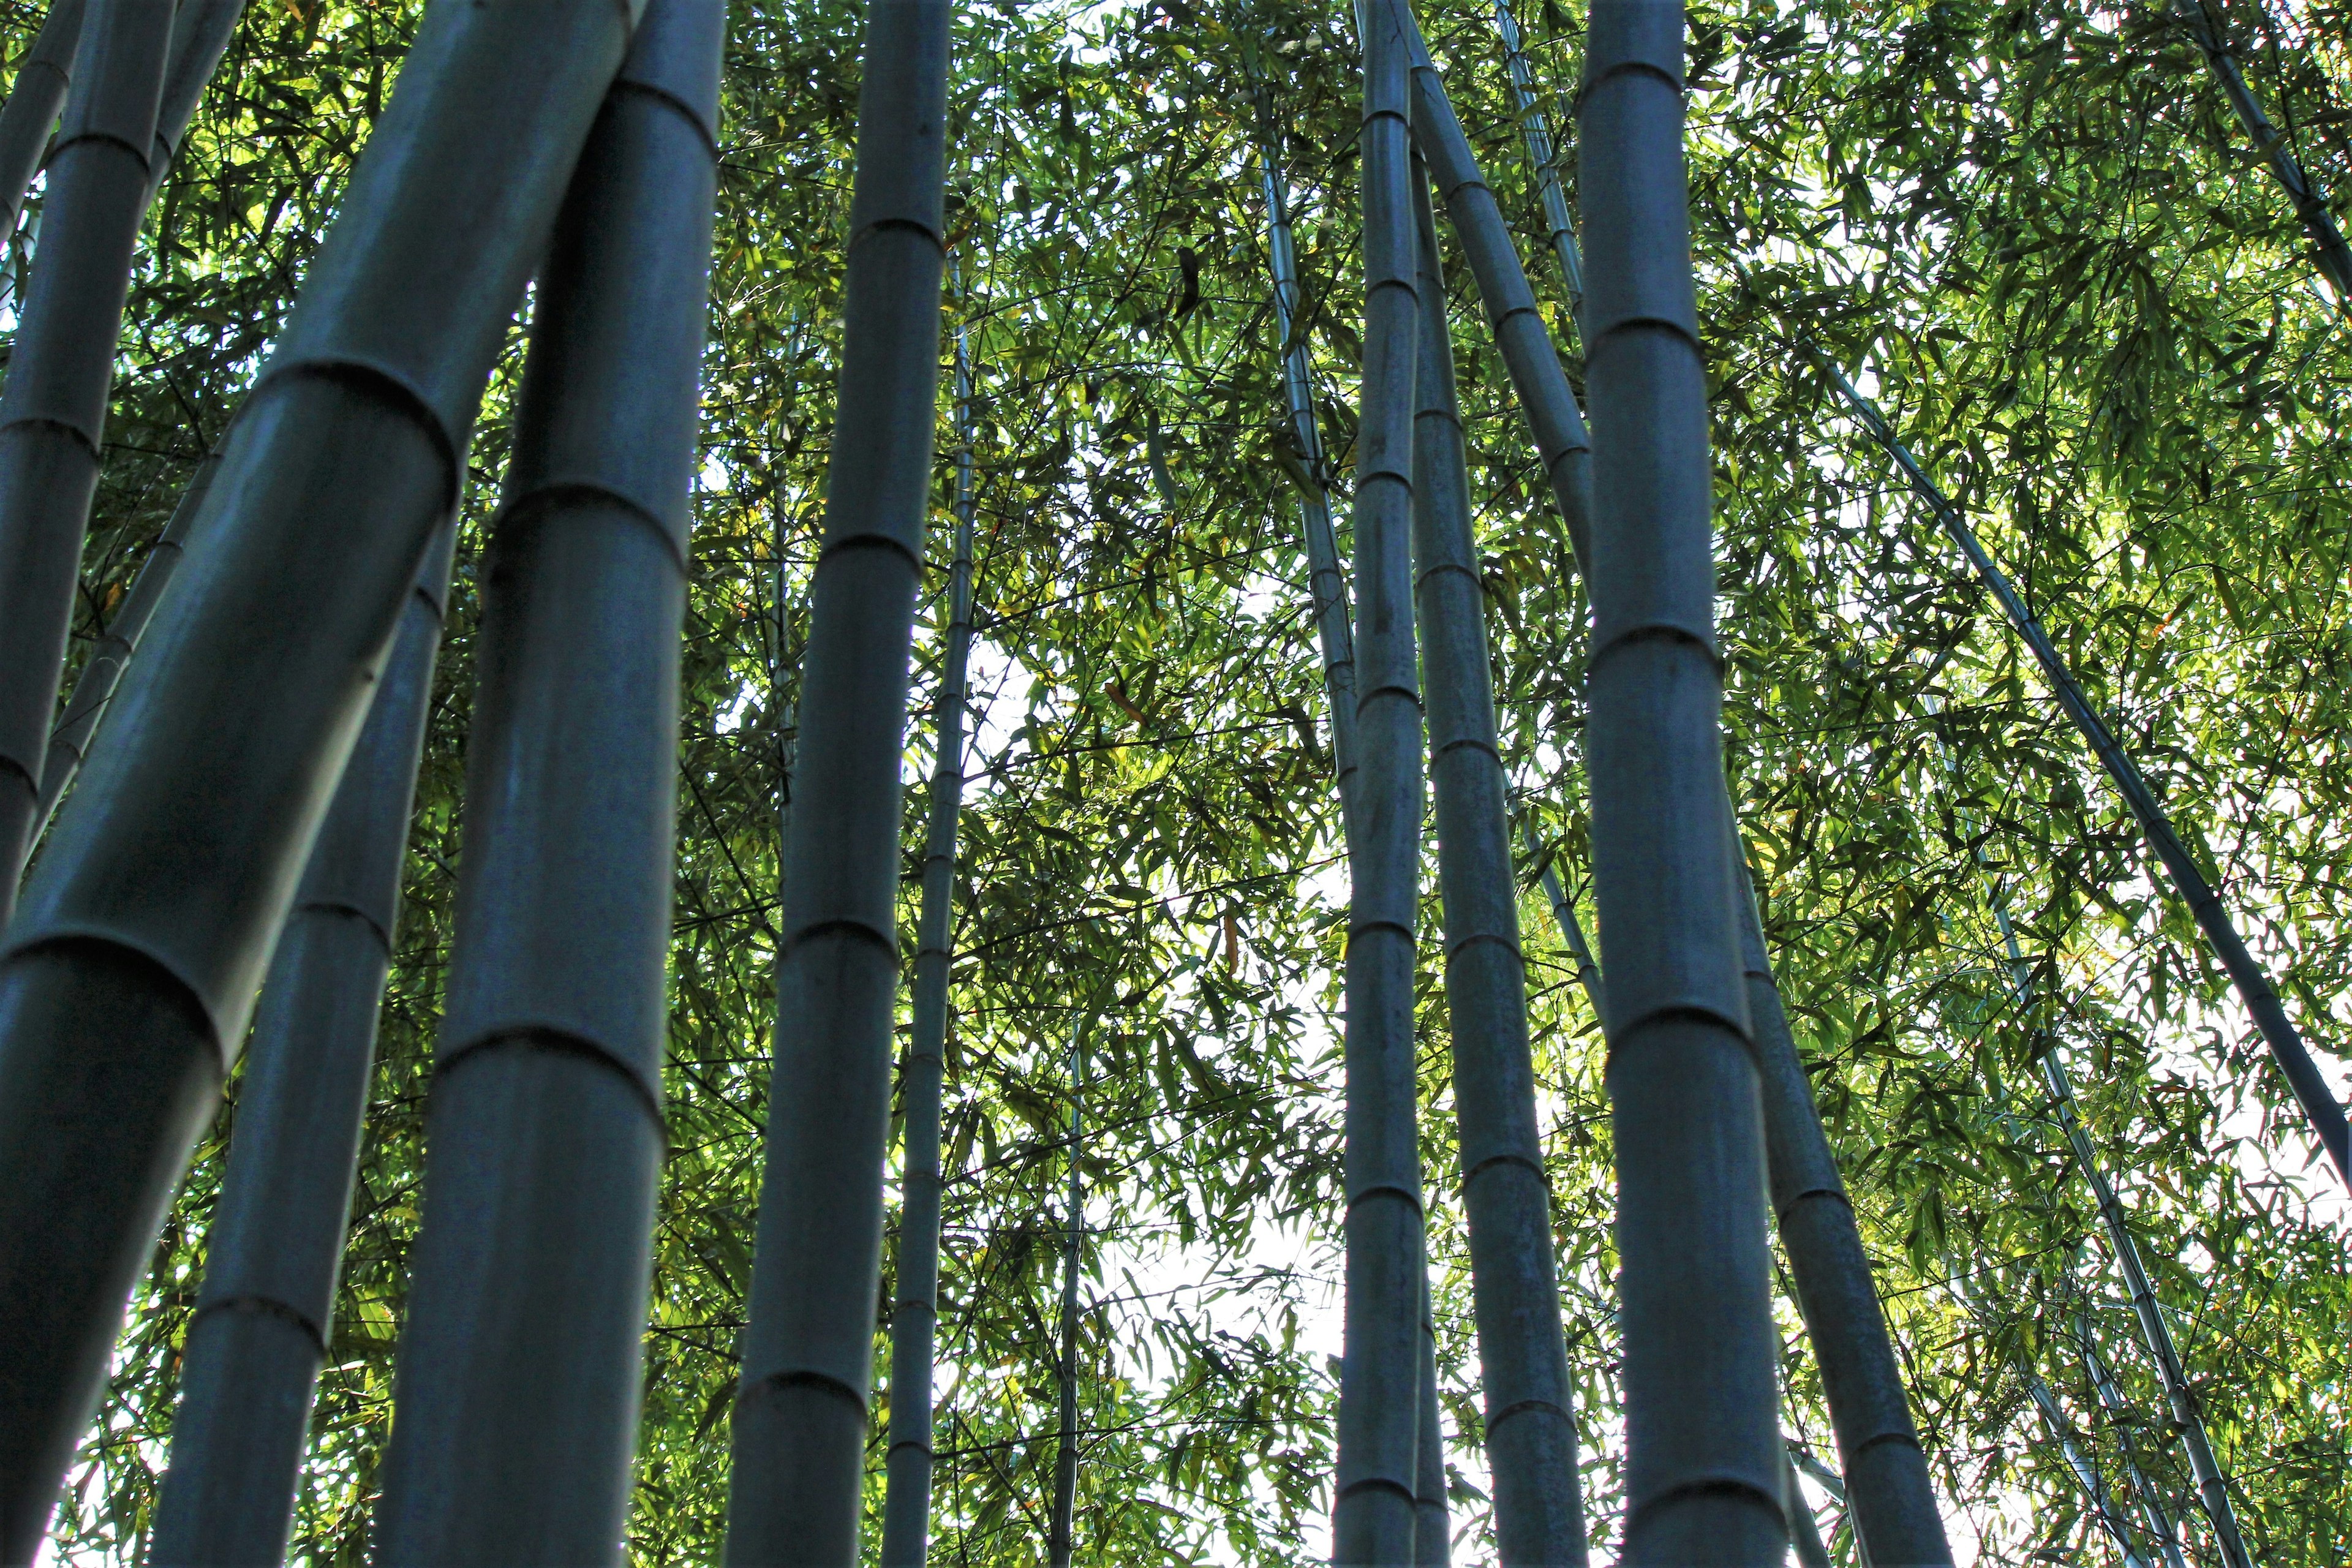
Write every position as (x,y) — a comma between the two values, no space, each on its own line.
(2086,310)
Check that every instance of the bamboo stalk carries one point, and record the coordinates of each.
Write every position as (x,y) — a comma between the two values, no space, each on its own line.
(1380,1377)
(129,975)
(44,75)
(1065,1448)
(1518,327)
(2304,1079)
(1531,1440)
(1433,1532)
(914,1322)
(251,1360)
(520,1365)
(2086,1474)
(1535,133)
(1805,1530)
(1893,1502)
(1703,1466)
(2329,253)
(201,30)
(60,372)
(2120,1416)
(801,1412)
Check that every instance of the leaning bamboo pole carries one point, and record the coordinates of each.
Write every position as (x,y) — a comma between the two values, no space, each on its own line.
(1531,1440)
(1703,1461)
(251,1360)
(2086,1474)
(516,1409)
(2121,1418)
(1535,133)
(915,1317)
(1805,1530)
(2254,989)
(44,75)
(1379,1376)
(128,977)
(1524,341)
(60,372)
(201,30)
(808,1351)
(1065,1370)
(1891,1499)
(2329,253)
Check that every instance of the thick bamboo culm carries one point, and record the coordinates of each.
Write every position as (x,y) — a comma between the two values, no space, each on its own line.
(44,75)
(1058,1535)
(264,1313)
(1380,1377)
(516,1399)
(2304,1081)
(1531,1441)
(201,30)
(1535,133)
(2329,253)
(60,375)
(1893,1504)
(1701,1356)
(914,1315)
(130,972)
(802,1408)
(1524,341)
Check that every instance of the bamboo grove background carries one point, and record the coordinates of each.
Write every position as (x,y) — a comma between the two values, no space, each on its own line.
(2090,312)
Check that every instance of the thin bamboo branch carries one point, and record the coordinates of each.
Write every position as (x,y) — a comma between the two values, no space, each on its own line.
(264,1313)
(802,1408)
(914,1322)
(2329,253)
(130,973)
(44,75)
(61,373)
(1531,1440)
(2304,1078)
(1065,1448)
(1379,1376)
(1704,1470)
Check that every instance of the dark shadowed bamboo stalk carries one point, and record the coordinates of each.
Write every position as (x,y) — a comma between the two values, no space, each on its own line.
(1572,931)
(101,672)
(2188,880)
(130,972)
(1325,580)
(1703,1466)
(264,1313)
(1433,1532)
(1379,1376)
(1893,1503)
(1531,1446)
(1065,1370)
(914,1320)
(53,414)
(44,73)
(808,1351)
(1535,133)
(516,1407)
(2329,253)
(1805,1542)
(1518,327)
(201,30)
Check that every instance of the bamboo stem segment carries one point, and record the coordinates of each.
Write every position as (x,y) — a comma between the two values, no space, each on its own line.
(801,1412)
(1703,1476)
(251,1361)
(44,76)
(914,1322)
(1531,1441)
(2303,1075)
(128,977)
(1066,1450)
(1433,1532)
(1534,132)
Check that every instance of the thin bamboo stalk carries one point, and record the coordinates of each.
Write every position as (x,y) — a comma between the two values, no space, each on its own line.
(1702,1466)
(2329,253)
(1065,1448)
(2120,1418)
(1893,1501)
(44,75)
(1518,327)
(1325,580)
(1433,1532)
(914,1322)
(53,413)
(1535,133)
(1571,929)
(1531,1441)
(101,672)
(517,1384)
(801,1412)
(2086,1474)
(2260,999)
(129,975)
(1379,1376)
(1805,1530)
(251,1360)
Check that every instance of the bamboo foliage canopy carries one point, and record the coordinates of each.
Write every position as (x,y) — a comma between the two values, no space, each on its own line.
(2083,303)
